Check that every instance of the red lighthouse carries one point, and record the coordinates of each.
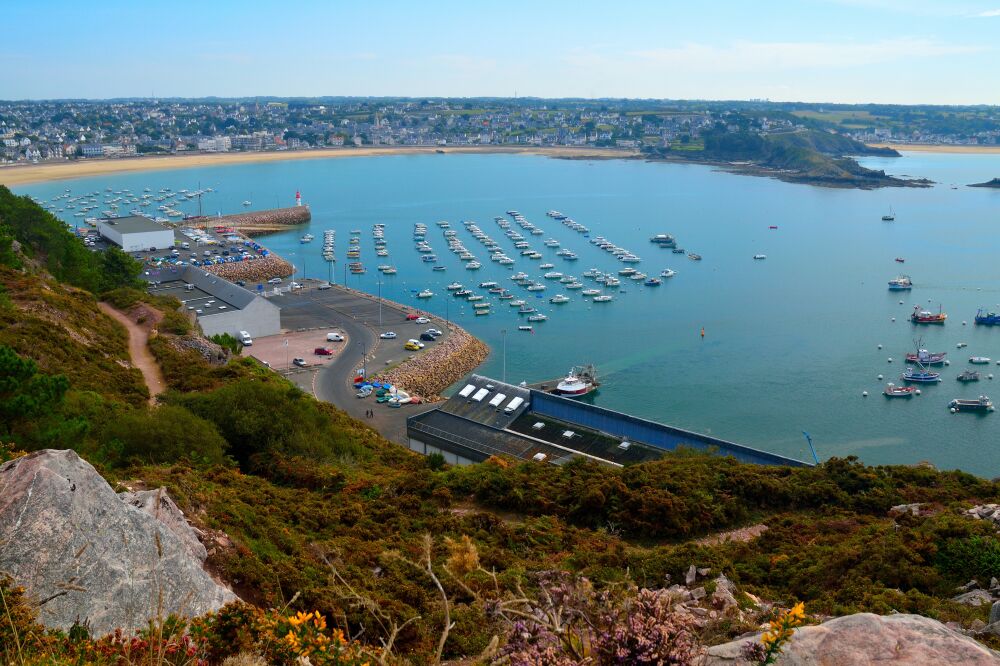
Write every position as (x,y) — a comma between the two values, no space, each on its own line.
(298,198)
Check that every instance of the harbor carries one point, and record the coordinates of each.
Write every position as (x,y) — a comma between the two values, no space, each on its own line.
(778,354)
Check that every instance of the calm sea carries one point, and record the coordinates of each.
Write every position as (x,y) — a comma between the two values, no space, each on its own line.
(790,343)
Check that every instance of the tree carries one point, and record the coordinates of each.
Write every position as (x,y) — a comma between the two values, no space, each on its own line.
(119,270)
(31,404)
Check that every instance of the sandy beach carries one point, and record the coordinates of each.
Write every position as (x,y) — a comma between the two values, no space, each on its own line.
(925,148)
(35,173)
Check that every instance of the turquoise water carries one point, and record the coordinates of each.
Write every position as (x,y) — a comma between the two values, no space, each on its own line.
(790,343)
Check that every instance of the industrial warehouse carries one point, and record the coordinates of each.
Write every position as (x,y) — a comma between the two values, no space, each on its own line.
(490,418)
(136,233)
(219,305)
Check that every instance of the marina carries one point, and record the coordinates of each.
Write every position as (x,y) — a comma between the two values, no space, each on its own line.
(758,321)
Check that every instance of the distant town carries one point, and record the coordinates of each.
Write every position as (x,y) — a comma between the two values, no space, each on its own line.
(40,131)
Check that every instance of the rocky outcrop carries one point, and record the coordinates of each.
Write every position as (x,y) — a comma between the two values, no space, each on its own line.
(866,639)
(157,503)
(87,556)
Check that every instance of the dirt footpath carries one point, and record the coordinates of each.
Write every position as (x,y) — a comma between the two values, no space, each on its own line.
(139,352)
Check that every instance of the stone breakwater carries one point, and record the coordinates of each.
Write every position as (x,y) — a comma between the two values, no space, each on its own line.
(252,271)
(264,221)
(439,366)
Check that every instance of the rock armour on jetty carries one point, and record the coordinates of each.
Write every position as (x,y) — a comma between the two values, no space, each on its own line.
(261,269)
(265,220)
(434,369)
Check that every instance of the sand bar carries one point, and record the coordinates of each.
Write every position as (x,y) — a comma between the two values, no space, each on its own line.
(21,174)
(940,148)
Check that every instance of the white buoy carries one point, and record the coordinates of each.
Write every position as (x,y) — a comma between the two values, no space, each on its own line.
(953,410)
(880,347)
(917,392)
(894,319)
(989,376)
(864,394)
(947,362)
(880,377)
(963,323)
(901,302)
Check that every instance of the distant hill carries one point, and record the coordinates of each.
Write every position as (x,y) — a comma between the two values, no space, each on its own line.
(809,156)
(990,183)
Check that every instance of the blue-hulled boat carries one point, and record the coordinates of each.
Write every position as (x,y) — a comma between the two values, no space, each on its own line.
(984,318)
(920,376)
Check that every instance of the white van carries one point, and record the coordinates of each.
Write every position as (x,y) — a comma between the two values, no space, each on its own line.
(245,339)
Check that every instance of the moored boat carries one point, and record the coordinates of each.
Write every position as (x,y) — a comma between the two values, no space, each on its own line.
(979,360)
(920,376)
(924,357)
(893,391)
(984,318)
(926,317)
(579,382)
(900,283)
(968,376)
(980,404)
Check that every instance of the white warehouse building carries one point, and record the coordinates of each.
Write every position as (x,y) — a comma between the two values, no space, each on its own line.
(136,233)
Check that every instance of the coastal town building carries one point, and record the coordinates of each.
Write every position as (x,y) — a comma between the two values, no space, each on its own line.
(134,233)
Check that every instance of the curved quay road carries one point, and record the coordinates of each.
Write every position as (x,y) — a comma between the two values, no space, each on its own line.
(354,314)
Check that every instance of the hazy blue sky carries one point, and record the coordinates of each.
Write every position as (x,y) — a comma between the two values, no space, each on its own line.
(936,51)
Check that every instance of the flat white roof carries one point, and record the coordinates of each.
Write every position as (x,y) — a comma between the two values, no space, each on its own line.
(480,394)
(497,399)
(467,391)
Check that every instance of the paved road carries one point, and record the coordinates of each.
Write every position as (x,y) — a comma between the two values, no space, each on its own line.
(357,316)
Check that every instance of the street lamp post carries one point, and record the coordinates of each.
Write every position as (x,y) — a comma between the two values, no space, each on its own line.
(380,301)
(503,332)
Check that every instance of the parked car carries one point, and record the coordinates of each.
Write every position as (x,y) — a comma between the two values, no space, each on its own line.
(323,351)
(275,280)
(433,331)
(412,317)
(388,335)
(413,345)
(334,337)
(325,285)
(427,337)
(422,320)
(301,362)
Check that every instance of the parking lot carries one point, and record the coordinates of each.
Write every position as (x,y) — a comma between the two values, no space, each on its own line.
(272,349)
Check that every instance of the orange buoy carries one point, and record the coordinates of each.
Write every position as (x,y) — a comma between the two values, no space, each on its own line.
(702,331)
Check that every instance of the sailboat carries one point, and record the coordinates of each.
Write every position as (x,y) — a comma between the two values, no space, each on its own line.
(890,217)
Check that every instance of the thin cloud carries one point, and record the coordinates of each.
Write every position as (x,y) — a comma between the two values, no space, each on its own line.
(989,13)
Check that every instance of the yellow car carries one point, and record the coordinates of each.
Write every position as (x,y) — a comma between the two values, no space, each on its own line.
(411,346)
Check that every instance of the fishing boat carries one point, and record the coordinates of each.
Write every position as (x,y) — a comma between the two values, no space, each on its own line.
(979,360)
(924,357)
(921,375)
(773,226)
(578,382)
(900,283)
(968,376)
(439,268)
(893,391)
(678,250)
(760,256)
(389,271)
(663,240)
(480,306)
(695,257)
(473,266)
(516,303)
(537,317)
(926,317)
(525,309)
(984,318)
(559,298)
(525,328)
(306,238)
(482,313)
(536,287)
(980,404)
(426,293)
(667,273)
(591,292)
(605,298)
(652,282)
(900,260)
(890,217)
(454,286)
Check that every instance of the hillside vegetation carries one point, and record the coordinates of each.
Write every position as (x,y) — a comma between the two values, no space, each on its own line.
(811,156)
(306,510)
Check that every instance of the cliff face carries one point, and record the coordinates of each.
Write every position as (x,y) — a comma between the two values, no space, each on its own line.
(89,556)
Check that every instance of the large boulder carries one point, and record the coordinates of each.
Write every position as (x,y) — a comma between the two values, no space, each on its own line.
(866,639)
(89,557)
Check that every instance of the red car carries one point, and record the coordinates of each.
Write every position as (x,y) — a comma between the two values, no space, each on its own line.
(411,317)
(323,351)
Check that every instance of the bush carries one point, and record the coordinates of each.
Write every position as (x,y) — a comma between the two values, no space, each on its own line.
(227,341)
(167,434)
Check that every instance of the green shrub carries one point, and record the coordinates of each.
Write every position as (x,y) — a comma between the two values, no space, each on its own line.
(166,434)
(227,341)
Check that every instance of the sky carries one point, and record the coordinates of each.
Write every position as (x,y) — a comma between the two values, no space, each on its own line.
(851,51)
